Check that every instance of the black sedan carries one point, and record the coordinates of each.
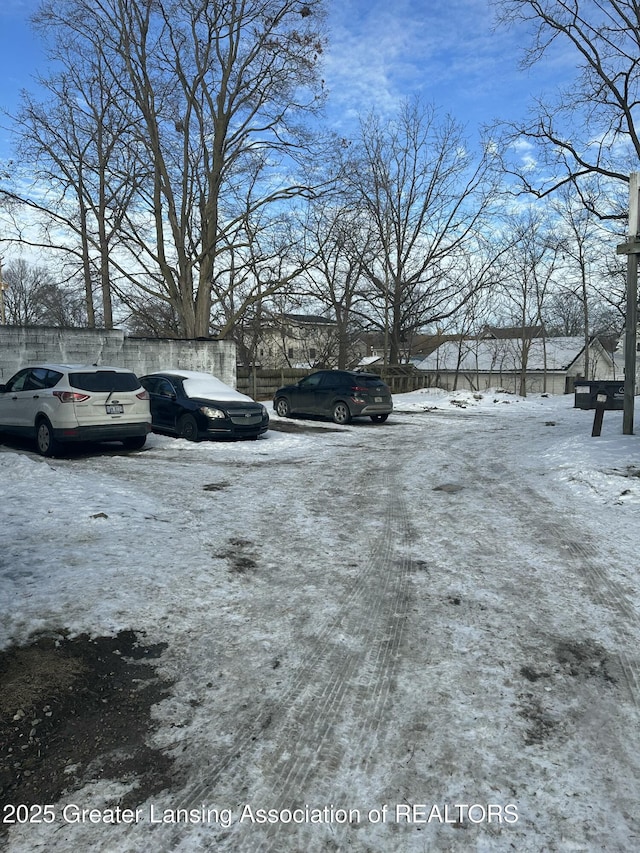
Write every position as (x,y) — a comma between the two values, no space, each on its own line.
(338,394)
(197,405)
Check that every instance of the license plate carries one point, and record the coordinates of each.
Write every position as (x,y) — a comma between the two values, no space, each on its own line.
(377,399)
(114,409)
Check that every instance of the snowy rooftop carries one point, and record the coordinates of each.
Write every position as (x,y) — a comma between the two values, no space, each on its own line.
(504,354)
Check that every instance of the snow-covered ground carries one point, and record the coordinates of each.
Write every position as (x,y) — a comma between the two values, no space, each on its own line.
(423,635)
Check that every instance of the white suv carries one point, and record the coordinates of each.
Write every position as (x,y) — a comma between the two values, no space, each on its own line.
(56,403)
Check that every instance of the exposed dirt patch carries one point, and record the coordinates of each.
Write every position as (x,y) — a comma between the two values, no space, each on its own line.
(215,487)
(586,660)
(240,562)
(533,674)
(77,709)
(582,661)
(629,471)
(541,723)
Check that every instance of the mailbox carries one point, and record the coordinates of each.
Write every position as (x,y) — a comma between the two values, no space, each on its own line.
(607,393)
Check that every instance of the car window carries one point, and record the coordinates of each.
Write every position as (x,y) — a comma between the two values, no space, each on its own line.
(330,380)
(36,380)
(17,382)
(312,381)
(53,377)
(104,380)
(164,388)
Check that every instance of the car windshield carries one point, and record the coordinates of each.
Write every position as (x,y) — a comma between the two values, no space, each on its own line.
(210,388)
(104,380)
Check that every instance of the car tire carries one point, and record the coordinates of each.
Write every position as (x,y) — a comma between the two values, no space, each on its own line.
(379,419)
(136,442)
(282,407)
(45,440)
(188,428)
(341,413)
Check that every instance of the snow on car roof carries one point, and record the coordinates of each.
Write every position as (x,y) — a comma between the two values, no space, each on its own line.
(206,386)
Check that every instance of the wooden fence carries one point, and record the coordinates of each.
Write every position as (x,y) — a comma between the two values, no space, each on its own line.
(262,384)
(402,378)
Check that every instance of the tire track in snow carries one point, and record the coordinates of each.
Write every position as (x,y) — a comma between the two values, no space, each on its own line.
(342,687)
(377,621)
(311,739)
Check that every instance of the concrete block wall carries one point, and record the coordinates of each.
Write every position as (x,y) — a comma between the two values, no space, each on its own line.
(144,355)
(21,346)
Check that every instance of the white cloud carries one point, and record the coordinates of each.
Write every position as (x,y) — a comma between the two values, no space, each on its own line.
(380,53)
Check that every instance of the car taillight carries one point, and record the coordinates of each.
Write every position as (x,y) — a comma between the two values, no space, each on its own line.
(70,396)
(143,395)
(358,389)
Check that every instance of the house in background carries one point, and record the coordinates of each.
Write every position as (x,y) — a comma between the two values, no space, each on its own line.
(531,364)
(621,357)
(300,340)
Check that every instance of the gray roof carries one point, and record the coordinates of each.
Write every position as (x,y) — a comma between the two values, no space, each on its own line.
(314,319)
(519,332)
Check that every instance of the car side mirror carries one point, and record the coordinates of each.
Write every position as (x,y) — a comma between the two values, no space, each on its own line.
(3,389)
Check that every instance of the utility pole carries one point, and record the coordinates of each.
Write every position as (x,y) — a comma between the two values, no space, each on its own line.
(631,249)
(3,287)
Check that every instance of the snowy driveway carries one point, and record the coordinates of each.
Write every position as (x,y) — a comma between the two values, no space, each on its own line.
(418,636)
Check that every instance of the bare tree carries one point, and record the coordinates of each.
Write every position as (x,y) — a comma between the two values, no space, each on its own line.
(341,251)
(74,139)
(149,318)
(264,255)
(33,298)
(201,106)
(424,196)
(590,128)
(528,277)
(564,313)
(583,242)
(215,90)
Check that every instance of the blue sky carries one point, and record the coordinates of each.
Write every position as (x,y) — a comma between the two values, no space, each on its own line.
(446,50)
(20,55)
(380,51)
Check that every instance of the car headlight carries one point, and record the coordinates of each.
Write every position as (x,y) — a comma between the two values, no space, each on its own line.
(210,412)
(265,413)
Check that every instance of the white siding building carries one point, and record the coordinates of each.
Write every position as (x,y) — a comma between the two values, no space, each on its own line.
(548,365)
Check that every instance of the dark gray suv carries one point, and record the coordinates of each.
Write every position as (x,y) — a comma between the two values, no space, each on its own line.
(338,394)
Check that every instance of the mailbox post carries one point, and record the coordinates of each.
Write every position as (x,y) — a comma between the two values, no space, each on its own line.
(602,395)
(601,404)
